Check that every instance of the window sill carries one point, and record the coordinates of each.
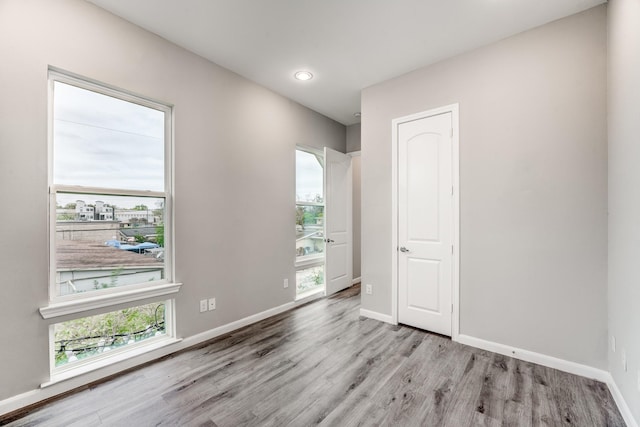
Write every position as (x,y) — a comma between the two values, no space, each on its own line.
(70,373)
(309,261)
(57,309)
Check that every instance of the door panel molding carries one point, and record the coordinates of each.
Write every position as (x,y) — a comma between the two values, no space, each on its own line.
(455,220)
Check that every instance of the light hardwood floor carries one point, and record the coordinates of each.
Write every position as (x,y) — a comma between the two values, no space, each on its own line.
(323,364)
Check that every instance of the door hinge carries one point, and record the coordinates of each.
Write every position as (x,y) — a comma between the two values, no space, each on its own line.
(452,308)
(452,190)
(451,132)
(451,249)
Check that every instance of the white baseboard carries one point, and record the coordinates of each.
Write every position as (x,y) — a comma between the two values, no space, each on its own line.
(355,281)
(559,364)
(34,396)
(624,409)
(376,316)
(229,327)
(540,359)
(310,296)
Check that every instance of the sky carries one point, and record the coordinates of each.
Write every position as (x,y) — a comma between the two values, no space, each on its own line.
(101,141)
(308,176)
(105,142)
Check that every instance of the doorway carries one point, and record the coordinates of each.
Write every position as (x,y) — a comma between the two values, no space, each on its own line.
(324,240)
(426,220)
(310,210)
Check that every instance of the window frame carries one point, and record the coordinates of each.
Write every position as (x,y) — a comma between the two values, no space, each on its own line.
(76,303)
(303,262)
(308,261)
(59,373)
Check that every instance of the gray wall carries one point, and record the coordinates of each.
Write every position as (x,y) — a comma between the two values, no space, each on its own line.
(353,137)
(624,195)
(234,171)
(533,177)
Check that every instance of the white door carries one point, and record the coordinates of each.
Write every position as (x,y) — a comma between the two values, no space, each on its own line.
(337,223)
(425,217)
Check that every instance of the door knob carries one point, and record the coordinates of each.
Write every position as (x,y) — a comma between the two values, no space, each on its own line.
(403,249)
(329,240)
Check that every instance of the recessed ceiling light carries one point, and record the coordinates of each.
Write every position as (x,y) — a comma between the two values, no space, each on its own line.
(303,75)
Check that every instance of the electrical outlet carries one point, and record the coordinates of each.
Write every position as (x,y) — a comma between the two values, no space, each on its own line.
(212,303)
(613,343)
(368,289)
(203,305)
(624,360)
(286,283)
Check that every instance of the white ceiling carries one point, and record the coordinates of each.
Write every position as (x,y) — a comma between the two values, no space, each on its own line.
(347,44)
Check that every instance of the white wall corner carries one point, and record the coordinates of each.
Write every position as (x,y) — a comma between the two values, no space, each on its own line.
(376,316)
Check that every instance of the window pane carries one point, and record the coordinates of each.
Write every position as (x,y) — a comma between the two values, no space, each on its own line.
(308,177)
(88,337)
(309,230)
(309,279)
(107,241)
(102,141)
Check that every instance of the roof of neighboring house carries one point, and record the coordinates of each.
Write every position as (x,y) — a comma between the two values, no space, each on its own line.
(143,231)
(81,254)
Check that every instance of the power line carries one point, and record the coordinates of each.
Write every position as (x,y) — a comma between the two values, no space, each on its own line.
(66,344)
(111,129)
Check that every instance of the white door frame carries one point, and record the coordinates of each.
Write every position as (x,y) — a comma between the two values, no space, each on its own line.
(455,200)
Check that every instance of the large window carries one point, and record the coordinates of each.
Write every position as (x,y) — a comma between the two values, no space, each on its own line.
(109,189)
(309,220)
(110,209)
